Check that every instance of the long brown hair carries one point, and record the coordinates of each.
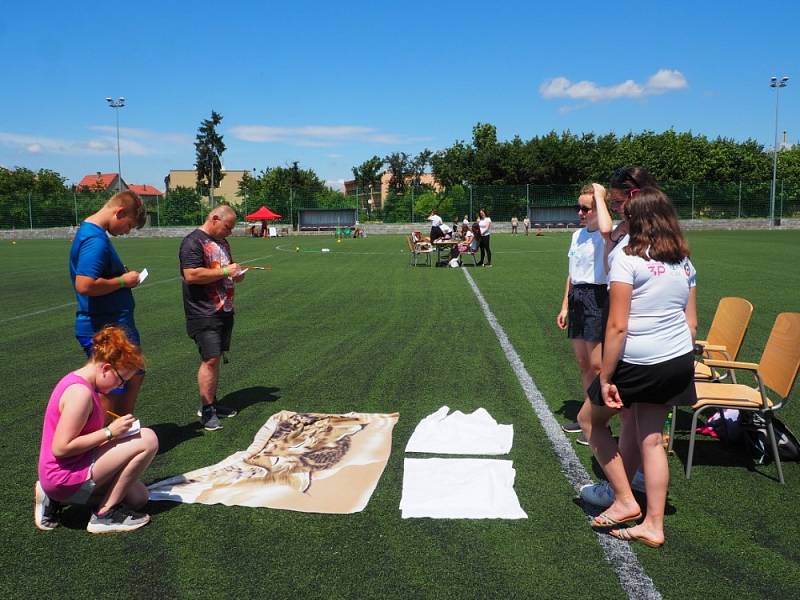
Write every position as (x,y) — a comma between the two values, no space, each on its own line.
(654,229)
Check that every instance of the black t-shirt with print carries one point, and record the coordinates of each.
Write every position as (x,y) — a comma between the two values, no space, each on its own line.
(198,249)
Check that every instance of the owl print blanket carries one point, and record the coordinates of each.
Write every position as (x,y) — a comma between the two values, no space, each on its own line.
(309,462)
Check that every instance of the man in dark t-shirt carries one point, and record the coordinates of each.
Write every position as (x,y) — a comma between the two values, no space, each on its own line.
(209,274)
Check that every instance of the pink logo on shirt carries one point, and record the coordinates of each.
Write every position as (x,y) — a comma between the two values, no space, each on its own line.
(657,269)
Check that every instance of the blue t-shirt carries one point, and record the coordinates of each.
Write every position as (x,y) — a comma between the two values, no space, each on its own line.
(93,255)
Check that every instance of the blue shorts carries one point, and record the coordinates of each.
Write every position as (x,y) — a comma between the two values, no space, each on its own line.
(86,343)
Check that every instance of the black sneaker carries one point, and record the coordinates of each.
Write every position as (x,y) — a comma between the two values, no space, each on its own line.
(222,411)
(582,440)
(117,519)
(45,509)
(209,419)
(571,427)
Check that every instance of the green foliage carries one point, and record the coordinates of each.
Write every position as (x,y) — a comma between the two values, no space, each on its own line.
(368,173)
(182,207)
(568,158)
(208,153)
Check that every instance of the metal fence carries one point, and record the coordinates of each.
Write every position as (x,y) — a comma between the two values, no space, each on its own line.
(692,201)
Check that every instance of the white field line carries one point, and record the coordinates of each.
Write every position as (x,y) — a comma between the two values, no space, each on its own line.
(634,581)
(143,286)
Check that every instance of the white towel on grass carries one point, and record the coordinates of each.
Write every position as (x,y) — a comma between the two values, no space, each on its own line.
(459,488)
(476,433)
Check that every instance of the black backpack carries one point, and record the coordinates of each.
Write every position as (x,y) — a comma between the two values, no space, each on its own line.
(756,438)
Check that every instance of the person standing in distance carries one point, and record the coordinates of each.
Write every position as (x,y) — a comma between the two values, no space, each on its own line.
(485,224)
(209,275)
(103,285)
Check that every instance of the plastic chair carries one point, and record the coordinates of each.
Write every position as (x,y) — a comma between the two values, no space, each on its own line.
(777,371)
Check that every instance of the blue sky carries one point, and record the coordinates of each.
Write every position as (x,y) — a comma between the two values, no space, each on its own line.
(330,84)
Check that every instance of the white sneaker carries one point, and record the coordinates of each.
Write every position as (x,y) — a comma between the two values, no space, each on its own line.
(599,494)
(117,519)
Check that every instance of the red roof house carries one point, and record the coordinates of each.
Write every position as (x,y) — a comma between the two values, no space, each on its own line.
(146,192)
(100,182)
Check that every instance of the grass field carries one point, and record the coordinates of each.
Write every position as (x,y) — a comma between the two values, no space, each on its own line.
(357,329)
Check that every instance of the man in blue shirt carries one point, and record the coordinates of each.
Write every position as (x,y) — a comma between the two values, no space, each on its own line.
(103,284)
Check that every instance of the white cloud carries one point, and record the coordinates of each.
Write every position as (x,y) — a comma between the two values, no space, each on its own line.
(336,184)
(663,81)
(144,134)
(316,135)
(37,144)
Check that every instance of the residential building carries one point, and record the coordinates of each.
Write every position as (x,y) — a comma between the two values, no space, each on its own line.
(147,193)
(101,182)
(380,191)
(228,188)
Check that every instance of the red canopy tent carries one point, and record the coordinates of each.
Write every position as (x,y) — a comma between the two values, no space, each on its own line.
(263,214)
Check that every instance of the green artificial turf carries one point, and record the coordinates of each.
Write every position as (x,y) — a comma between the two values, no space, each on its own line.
(358,329)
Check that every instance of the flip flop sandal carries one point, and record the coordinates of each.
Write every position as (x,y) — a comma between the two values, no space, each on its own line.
(603,520)
(626,536)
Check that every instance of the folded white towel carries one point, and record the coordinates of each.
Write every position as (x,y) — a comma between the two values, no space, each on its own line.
(459,488)
(476,433)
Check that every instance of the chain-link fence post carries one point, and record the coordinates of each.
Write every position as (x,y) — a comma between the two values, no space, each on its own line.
(780,212)
(692,201)
(30,212)
(739,214)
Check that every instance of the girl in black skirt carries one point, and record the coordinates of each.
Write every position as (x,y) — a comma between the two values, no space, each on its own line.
(647,363)
(583,309)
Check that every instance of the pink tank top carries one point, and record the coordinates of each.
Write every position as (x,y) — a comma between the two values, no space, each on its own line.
(61,477)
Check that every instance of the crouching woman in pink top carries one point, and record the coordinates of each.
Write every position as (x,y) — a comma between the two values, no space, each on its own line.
(83,461)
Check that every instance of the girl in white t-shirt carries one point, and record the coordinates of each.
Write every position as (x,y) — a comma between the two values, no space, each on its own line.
(648,364)
(583,309)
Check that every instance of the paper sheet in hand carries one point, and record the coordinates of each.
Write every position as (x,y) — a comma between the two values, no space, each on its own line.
(135,428)
(309,462)
(143,275)
(457,433)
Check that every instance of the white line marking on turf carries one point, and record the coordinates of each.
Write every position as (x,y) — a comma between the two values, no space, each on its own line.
(636,583)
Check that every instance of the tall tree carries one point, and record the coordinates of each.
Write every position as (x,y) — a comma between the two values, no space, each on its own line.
(399,168)
(208,153)
(418,165)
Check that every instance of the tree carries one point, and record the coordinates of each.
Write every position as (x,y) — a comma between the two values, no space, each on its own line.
(182,207)
(418,165)
(399,168)
(208,152)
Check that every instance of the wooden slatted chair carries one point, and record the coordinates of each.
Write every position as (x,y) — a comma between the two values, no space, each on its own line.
(418,249)
(776,371)
(724,341)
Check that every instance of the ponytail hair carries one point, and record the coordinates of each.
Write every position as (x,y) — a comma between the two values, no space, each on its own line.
(111,345)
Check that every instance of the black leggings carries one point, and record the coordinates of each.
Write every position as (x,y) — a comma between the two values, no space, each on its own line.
(484,246)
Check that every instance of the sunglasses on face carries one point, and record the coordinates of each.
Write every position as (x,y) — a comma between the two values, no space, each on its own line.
(583,209)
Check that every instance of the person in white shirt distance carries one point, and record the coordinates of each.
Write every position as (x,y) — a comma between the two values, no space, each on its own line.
(583,308)
(436,225)
(485,224)
(648,360)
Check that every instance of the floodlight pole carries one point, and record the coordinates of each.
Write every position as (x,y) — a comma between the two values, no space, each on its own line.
(775,83)
(211,176)
(116,105)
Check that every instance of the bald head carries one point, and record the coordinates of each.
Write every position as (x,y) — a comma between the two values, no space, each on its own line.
(220,222)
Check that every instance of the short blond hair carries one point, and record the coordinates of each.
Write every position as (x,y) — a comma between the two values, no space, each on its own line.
(131,203)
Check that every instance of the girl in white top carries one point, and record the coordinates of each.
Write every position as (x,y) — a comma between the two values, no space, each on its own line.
(585,295)
(648,364)
(485,224)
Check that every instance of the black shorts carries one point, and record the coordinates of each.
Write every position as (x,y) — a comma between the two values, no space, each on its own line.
(587,312)
(670,382)
(211,334)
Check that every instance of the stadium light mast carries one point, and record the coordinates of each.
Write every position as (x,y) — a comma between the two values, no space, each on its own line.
(777,84)
(116,105)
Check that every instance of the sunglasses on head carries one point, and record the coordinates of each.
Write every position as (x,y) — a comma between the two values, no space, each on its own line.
(582,209)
